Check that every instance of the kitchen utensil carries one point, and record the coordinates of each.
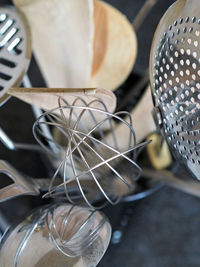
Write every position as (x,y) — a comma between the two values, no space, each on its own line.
(84,152)
(62,39)
(15,49)
(86,54)
(144,11)
(175,77)
(57,235)
(160,158)
(47,98)
(158,152)
(174,73)
(40,97)
(114,47)
(184,184)
(15,58)
(115,44)
(21,185)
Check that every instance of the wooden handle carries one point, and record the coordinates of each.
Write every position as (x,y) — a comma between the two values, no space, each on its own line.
(62,33)
(158,152)
(47,98)
(143,123)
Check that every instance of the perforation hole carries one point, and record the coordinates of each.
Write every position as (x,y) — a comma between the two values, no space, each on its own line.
(4,76)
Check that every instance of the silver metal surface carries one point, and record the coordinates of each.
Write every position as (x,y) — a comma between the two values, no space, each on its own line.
(15,49)
(58,235)
(83,153)
(175,80)
(15,54)
(22,185)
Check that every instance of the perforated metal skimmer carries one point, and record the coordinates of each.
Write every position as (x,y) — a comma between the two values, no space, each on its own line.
(175,80)
(15,49)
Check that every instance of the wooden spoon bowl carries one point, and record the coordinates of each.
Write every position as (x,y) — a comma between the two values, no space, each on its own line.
(114,47)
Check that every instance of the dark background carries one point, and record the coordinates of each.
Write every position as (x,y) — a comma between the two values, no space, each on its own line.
(163,230)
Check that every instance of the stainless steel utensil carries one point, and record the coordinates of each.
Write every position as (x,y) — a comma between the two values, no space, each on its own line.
(175,76)
(83,152)
(15,49)
(175,81)
(61,235)
(29,186)
(15,54)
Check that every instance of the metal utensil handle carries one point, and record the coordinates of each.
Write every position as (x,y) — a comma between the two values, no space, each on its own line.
(191,187)
(148,5)
(20,187)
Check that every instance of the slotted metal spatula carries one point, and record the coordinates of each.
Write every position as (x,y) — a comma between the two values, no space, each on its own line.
(15,49)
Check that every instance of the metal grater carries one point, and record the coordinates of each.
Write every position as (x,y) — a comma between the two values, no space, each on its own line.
(175,80)
(15,49)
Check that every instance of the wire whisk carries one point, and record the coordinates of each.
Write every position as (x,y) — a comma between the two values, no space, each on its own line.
(80,147)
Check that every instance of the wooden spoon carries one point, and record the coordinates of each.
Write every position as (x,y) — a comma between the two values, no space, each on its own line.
(115,47)
(62,39)
(70,53)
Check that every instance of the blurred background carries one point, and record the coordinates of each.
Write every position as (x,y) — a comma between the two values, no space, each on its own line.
(159,230)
